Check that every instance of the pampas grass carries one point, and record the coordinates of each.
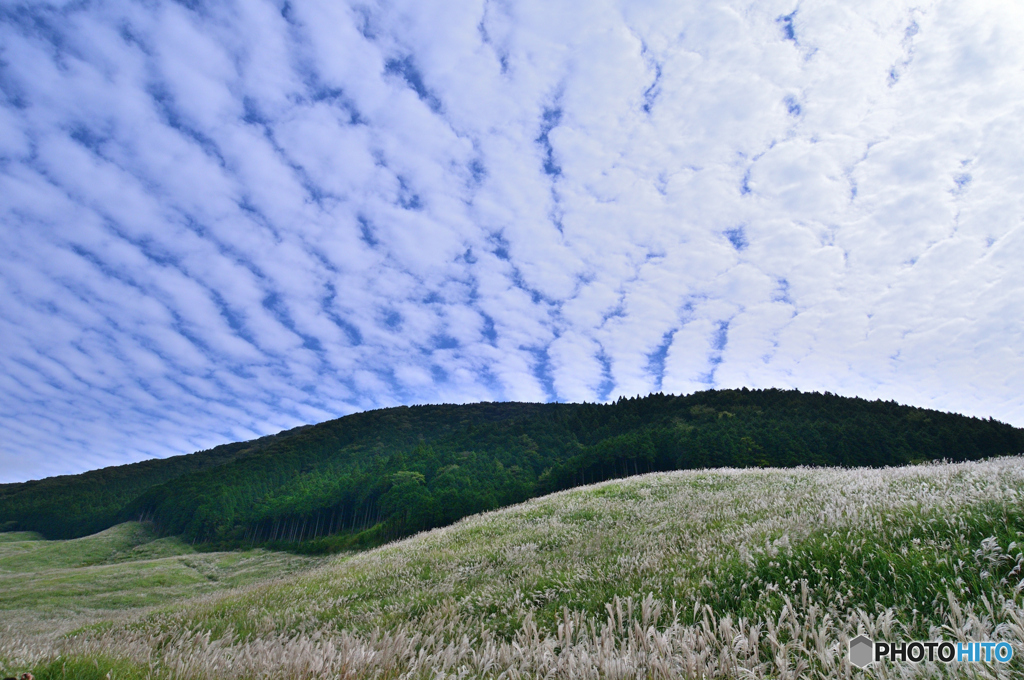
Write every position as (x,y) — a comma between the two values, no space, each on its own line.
(697,574)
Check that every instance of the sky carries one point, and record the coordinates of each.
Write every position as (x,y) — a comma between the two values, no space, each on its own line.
(219,220)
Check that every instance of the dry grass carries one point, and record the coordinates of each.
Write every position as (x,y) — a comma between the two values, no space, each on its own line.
(731,573)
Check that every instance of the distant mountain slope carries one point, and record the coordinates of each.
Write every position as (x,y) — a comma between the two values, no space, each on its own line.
(69,506)
(369,477)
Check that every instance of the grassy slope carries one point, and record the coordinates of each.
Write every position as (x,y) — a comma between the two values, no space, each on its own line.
(687,537)
(57,584)
(680,574)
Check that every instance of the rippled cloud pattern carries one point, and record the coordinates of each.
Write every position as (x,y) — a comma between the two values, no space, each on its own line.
(219,220)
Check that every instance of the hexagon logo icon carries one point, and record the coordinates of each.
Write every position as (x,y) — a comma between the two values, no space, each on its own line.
(861,651)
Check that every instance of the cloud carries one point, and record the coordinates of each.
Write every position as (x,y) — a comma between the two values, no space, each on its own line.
(220,221)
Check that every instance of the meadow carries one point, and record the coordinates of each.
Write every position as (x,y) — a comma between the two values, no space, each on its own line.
(53,587)
(728,573)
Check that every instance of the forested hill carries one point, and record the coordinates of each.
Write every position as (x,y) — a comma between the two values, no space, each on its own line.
(69,506)
(369,477)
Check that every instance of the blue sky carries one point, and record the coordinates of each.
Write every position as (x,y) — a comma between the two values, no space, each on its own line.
(220,220)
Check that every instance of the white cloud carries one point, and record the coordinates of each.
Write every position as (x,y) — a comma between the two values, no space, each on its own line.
(219,223)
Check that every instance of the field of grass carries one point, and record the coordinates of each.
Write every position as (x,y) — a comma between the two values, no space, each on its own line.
(702,574)
(61,585)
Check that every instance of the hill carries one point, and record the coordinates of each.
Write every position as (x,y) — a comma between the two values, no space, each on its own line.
(695,574)
(367,478)
(70,506)
(56,586)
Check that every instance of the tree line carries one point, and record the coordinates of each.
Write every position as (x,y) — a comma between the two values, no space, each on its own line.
(371,477)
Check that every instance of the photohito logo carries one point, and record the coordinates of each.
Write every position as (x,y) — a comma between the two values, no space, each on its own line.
(865,651)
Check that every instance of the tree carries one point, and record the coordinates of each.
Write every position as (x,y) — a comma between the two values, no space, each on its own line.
(409,502)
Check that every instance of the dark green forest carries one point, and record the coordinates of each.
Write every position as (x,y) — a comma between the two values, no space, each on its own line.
(370,477)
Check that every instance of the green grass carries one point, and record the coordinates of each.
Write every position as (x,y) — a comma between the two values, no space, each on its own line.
(91,667)
(121,569)
(581,549)
(795,560)
(909,564)
(124,542)
(19,536)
